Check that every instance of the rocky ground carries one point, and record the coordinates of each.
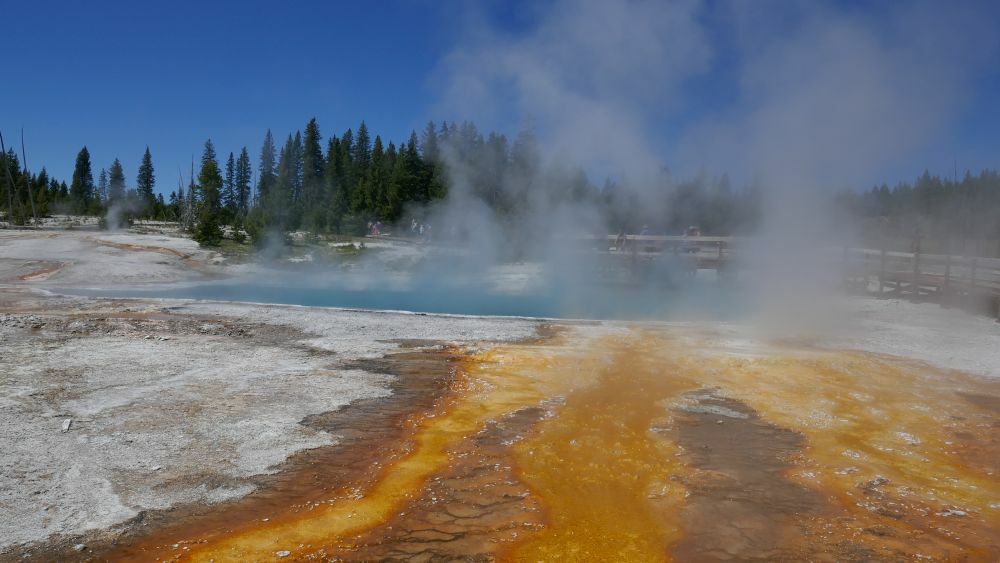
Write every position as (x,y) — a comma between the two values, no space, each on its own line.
(109,408)
(112,410)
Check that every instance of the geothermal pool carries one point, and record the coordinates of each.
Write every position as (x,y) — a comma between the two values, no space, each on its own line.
(703,298)
(636,444)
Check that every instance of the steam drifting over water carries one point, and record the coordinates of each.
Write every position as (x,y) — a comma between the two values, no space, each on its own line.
(816,98)
(799,99)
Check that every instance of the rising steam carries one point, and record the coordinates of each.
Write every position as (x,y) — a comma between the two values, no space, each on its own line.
(801,99)
(822,99)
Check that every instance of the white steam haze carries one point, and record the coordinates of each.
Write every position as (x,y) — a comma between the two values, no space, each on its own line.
(824,98)
(588,76)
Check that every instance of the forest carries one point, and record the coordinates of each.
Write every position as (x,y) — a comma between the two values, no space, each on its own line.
(344,183)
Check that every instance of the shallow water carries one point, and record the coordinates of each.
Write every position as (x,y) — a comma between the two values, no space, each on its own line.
(702,297)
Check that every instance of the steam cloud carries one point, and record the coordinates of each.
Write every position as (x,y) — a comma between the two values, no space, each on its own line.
(803,99)
(823,98)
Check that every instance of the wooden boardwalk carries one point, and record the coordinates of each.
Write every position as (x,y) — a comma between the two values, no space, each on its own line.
(702,253)
(949,279)
(940,277)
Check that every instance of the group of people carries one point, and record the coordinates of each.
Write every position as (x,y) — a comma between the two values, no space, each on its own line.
(420,230)
(375,228)
(417,230)
(623,243)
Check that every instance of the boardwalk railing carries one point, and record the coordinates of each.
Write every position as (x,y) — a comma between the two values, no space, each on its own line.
(710,252)
(915,275)
(925,276)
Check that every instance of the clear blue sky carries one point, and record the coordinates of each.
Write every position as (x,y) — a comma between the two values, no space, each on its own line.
(117,76)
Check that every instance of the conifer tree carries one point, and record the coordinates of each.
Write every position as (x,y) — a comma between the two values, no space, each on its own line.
(296,162)
(21,197)
(41,192)
(349,176)
(208,231)
(145,181)
(229,187)
(432,180)
(363,198)
(361,152)
(102,186)
(429,146)
(412,187)
(8,180)
(242,181)
(116,183)
(189,200)
(282,199)
(6,176)
(56,193)
(400,186)
(268,168)
(336,202)
(312,165)
(359,168)
(81,190)
(376,180)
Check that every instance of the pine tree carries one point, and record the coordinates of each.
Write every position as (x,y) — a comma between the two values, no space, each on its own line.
(5,182)
(296,161)
(81,190)
(116,183)
(412,186)
(432,179)
(102,186)
(375,187)
(334,182)
(312,165)
(22,204)
(41,192)
(361,150)
(282,199)
(208,231)
(401,183)
(189,200)
(429,147)
(349,176)
(361,154)
(242,182)
(495,163)
(268,168)
(525,164)
(56,193)
(145,181)
(14,185)
(229,187)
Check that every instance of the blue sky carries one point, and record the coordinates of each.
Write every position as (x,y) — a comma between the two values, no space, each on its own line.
(117,76)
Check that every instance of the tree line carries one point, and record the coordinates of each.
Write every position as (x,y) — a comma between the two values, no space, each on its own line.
(931,207)
(42,195)
(343,183)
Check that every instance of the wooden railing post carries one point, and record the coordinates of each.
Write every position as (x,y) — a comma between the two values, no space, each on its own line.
(881,271)
(846,269)
(947,273)
(972,277)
